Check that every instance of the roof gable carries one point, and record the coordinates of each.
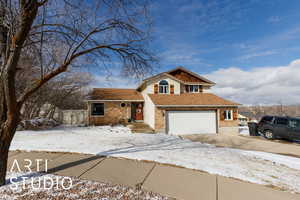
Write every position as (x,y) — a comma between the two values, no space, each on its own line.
(187,76)
(163,76)
(160,76)
(181,75)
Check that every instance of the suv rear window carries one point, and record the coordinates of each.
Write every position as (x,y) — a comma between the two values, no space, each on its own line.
(267,119)
(282,121)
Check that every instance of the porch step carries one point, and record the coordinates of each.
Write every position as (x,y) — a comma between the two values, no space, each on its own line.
(142,131)
(139,127)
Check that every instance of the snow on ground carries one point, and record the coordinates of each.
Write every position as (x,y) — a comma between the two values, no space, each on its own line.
(256,167)
(40,186)
(244,130)
(37,124)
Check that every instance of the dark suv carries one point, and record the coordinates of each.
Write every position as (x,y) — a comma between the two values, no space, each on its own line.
(280,127)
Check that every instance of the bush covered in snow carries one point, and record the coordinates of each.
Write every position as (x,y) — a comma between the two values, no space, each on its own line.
(37,124)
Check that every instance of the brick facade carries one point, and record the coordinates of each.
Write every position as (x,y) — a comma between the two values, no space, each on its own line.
(159,120)
(113,113)
(228,123)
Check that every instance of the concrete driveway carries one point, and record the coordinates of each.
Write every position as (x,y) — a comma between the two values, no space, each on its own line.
(255,143)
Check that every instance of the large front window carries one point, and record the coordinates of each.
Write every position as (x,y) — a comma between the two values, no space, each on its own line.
(193,88)
(97,109)
(163,87)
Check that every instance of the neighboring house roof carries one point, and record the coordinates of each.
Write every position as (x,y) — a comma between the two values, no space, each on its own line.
(188,99)
(181,75)
(242,116)
(247,114)
(114,94)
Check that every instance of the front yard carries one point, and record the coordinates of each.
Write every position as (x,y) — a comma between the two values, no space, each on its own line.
(253,166)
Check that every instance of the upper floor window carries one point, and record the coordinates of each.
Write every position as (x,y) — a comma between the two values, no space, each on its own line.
(193,88)
(163,87)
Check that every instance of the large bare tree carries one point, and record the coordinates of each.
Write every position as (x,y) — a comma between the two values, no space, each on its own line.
(63,33)
(67,91)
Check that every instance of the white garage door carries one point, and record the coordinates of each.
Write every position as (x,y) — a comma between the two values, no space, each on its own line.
(191,122)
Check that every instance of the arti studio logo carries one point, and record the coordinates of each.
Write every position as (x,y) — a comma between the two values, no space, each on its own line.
(32,180)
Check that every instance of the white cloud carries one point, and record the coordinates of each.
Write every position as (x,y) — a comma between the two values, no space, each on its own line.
(257,54)
(261,85)
(264,85)
(281,43)
(113,81)
(186,56)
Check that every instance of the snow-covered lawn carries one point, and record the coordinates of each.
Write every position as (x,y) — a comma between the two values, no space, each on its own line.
(40,186)
(256,167)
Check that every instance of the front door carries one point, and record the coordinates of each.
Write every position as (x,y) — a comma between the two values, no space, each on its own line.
(139,111)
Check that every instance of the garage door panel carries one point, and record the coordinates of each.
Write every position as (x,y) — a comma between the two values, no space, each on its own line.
(191,122)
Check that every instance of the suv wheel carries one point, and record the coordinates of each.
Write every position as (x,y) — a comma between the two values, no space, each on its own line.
(269,134)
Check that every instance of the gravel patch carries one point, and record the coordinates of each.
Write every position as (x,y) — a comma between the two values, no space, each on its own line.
(33,189)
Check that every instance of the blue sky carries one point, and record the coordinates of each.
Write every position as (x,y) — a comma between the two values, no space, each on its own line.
(210,34)
(213,37)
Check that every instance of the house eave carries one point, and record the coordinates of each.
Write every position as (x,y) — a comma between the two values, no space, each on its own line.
(198,83)
(101,100)
(200,106)
(209,83)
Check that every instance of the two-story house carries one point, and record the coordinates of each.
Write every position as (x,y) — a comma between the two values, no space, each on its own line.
(175,102)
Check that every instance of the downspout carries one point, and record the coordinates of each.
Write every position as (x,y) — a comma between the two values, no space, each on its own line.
(88,113)
(218,120)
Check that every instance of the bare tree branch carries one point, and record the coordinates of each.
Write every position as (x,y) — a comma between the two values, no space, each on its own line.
(47,38)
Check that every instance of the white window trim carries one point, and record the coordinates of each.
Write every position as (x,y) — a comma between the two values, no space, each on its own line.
(189,87)
(231,115)
(195,91)
(97,115)
(165,88)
